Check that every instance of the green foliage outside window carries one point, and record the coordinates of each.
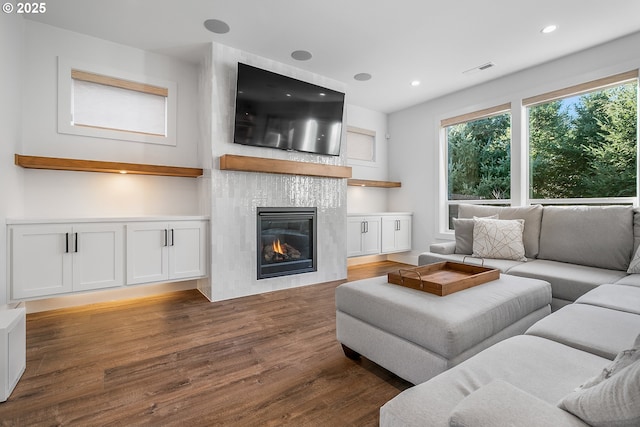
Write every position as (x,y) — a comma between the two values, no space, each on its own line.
(580,147)
(585,147)
(480,159)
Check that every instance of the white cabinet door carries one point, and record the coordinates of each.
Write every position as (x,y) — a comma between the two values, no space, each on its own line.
(187,249)
(41,260)
(363,235)
(355,228)
(147,252)
(389,225)
(371,236)
(403,233)
(98,256)
(396,233)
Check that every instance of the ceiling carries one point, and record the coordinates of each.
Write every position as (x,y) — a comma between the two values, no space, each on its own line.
(395,41)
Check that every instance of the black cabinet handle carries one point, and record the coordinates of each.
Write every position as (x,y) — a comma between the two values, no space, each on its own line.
(172,241)
(76,243)
(166,237)
(66,243)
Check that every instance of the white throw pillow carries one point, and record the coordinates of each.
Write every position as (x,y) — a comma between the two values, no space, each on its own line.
(498,238)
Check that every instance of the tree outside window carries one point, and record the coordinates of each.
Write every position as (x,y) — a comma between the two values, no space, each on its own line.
(585,146)
(479,159)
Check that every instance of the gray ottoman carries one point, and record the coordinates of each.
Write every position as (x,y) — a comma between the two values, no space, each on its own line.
(418,335)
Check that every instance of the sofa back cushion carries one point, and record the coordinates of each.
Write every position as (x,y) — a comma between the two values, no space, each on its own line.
(636,229)
(596,236)
(532,216)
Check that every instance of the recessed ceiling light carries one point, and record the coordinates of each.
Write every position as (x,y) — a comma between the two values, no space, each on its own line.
(301,55)
(549,29)
(415,83)
(362,77)
(216,26)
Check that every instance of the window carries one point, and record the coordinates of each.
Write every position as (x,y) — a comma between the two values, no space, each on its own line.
(478,150)
(107,104)
(583,143)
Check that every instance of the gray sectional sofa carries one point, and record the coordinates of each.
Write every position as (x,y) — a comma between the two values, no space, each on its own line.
(575,248)
(578,366)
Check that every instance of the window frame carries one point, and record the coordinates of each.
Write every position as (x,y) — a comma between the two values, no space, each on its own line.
(445,203)
(568,92)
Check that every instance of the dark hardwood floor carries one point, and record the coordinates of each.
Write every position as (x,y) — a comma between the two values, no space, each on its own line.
(177,359)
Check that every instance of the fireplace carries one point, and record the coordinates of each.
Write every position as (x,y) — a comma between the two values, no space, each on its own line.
(286,241)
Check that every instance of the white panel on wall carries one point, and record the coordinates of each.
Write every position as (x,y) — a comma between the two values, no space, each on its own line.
(115,108)
(361,146)
(95,109)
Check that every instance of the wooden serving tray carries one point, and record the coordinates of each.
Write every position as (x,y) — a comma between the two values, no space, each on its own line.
(443,278)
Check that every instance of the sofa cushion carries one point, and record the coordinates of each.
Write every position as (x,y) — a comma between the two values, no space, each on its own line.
(596,236)
(615,297)
(636,229)
(568,281)
(634,265)
(498,238)
(532,216)
(630,280)
(589,328)
(501,404)
(614,402)
(503,265)
(557,370)
(463,231)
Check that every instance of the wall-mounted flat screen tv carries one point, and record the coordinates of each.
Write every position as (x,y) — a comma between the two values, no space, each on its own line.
(276,111)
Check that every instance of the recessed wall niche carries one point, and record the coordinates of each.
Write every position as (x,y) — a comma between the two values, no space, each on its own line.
(106,103)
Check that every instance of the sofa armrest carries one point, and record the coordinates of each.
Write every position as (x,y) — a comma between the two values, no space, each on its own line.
(502,404)
(444,248)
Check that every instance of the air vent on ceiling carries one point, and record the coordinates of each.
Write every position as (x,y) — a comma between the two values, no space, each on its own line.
(479,68)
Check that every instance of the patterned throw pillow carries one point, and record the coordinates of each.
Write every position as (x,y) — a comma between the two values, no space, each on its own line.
(634,266)
(498,239)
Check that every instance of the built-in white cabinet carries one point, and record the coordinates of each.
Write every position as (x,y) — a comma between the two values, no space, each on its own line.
(363,235)
(57,258)
(396,233)
(160,251)
(13,347)
(51,259)
(378,233)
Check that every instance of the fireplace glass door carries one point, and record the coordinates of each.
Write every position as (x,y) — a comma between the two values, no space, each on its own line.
(286,241)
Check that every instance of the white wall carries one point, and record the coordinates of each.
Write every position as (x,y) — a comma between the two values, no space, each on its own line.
(11,47)
(28,125)
(414,131)
(364,200)
(76,194)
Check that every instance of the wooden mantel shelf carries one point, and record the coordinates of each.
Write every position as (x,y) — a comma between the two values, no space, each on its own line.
(371,183)
(54,163)
(230,162)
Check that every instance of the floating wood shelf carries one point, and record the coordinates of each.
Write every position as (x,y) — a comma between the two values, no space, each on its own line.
(230,162)
(370,183)
(53,163)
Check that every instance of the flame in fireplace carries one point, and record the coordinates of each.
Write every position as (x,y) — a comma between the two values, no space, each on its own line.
(277,247)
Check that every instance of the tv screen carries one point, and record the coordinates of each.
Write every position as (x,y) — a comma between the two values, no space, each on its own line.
(276,111)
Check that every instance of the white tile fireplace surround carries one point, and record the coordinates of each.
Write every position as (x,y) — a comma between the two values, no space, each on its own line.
(236,197)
